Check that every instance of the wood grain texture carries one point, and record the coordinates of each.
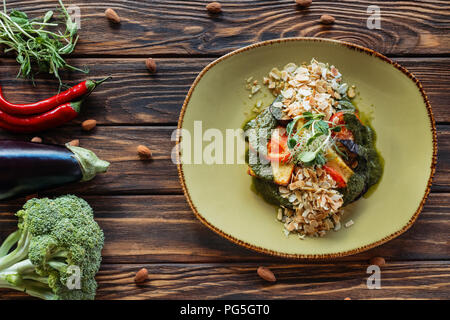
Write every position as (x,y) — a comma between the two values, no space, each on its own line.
(140,205)
(130,175)
(160,27)
(162,229)
(399,280)
(135,97)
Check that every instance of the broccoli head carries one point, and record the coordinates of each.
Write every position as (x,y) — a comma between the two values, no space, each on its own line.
(56,251)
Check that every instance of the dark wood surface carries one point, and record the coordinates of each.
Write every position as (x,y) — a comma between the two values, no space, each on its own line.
(140,205)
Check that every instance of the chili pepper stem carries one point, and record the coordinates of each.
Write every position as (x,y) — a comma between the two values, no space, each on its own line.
(76,105)
(97,83)
(92,84)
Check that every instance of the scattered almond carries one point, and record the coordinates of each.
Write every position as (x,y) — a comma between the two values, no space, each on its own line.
(266,274)
(74,143)
(89,124)
(214,7)
(304,3)
(151,65)
(351,93)
(378,261)
(327,19)
(36,140)
(144,152)
(112,15)
(141,276)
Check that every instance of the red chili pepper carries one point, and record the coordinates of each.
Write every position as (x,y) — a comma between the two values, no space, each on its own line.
(48,120)
(74,93)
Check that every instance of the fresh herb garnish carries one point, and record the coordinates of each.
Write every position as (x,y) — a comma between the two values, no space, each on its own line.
(308,160)
(37,48)
(338,151)
(300,146)
(314,137)
(319,160)
(308,117)
(292,142)
(321,127)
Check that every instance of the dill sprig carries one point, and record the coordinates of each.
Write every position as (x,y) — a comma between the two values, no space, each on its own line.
(37,48)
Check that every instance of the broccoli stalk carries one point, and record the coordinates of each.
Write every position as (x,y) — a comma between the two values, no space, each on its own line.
(52,236)
(18,272)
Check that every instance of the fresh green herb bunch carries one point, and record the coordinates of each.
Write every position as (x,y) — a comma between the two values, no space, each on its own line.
(37,48)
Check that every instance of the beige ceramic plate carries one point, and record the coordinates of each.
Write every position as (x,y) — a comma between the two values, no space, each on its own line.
(220,195)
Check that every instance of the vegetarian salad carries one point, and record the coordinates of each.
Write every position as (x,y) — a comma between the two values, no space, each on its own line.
(309,152)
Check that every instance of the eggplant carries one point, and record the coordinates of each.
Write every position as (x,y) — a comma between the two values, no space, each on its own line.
(350,145)
(278,113)
(27,168)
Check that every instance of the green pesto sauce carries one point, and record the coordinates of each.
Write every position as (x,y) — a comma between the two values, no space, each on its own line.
(258,132)
(263,124)
(270,192)
(370,164)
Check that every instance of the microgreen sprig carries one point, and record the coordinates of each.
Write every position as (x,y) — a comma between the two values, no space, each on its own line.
(309,118)
(319,128)
(35,46)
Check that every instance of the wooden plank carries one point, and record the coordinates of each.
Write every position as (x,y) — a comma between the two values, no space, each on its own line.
(162,229)
(129,175)
(441,179)
(135,97)
(428,71)
(160,27)
(400,280)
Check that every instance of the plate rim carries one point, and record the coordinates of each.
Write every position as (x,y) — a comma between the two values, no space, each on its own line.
(296,255)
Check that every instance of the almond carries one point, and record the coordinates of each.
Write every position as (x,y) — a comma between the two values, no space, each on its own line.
(141,276)
(151,65)
(144,152)
(36,140)
(327,19)
(214,7)
(89,124)
(303,3)
(266,274)
(351,93)
(112,15)
(378,261)
(74,143)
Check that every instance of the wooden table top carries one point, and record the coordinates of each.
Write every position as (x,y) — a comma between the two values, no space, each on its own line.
(140,205)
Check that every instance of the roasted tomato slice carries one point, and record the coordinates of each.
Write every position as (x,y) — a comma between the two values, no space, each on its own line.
(344,134)
(277,149)
(336,176)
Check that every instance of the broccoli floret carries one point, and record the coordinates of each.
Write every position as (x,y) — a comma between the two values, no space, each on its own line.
(55,238)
